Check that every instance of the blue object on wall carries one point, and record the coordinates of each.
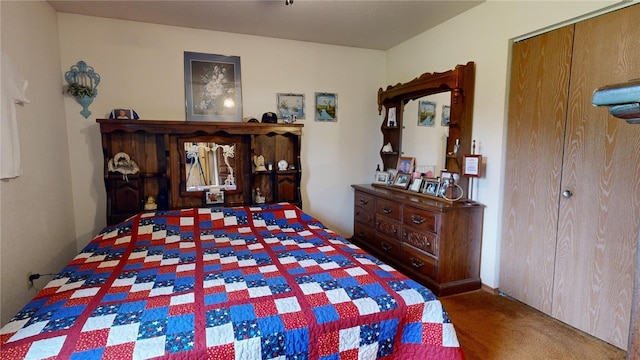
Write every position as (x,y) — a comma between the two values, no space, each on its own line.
(82,84)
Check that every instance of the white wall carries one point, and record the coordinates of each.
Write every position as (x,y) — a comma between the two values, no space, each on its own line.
(141,66)
(35,209)
(483,35)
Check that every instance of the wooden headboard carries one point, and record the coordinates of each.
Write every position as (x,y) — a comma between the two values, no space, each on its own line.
(155,147)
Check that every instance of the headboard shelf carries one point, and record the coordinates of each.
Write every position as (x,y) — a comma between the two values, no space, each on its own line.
(158,149)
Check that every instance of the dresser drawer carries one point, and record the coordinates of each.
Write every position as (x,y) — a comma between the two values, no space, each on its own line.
(421,219)
(387,246)
(419,261)
(420,239)
(363,216)
(363,232)
(365,201)
(389,209)
(388,227)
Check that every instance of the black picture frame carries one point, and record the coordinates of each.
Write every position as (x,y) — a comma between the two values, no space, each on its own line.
(213,87)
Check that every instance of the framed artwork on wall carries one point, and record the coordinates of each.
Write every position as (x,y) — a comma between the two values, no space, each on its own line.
(213,87)
(446,115)
(290,106)
(426,113)
(326,107)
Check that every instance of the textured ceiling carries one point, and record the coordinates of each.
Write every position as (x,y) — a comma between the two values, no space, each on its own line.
(367,24)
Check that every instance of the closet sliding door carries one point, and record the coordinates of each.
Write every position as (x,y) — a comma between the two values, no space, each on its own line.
(572,185)
(598,224)
(535,135)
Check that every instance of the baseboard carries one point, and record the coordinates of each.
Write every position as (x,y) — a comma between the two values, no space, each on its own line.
(489,289)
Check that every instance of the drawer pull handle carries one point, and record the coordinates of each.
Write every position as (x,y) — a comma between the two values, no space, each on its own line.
(386,247)
(417,219)
(386,210)
(364,201)
(362,234)
(416,263)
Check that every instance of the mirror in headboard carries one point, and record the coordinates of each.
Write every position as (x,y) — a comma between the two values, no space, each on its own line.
(458,85)
(209,162)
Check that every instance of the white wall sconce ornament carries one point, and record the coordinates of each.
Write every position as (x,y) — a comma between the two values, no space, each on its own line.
(82,83)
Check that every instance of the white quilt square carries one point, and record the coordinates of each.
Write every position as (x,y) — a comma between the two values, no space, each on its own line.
(186,221)
(99,322)
(255,292)
(149,348)
(337,296)
(46,348)
(311,288)
(220,335)
(182,299)
(287,305)
(349,338)
(366,306)
(85,293)
(123,334)
(248,349)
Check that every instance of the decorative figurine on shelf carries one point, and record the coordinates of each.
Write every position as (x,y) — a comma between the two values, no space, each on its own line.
(150,204)
(258,161)
(122,163)
(259,199)
(387,148)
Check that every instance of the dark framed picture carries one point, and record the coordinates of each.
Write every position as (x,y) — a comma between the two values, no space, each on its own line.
(426,113)
(446,115)
(290,106)
(213,87)
(123,114)
(382,177)
(326,107)
(471,165)
(431,186)
(416,184)
(402,180)
(405,164)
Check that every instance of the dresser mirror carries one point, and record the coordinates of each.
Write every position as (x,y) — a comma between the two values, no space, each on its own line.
(424,135)
(444,146)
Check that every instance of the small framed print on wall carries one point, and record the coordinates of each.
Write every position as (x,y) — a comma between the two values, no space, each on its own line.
(290,106)
(471,165)
(326,107)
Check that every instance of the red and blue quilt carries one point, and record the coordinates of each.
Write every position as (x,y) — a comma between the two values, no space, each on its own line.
(267,282)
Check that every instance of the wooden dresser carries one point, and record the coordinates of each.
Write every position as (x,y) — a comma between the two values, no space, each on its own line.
(434,242)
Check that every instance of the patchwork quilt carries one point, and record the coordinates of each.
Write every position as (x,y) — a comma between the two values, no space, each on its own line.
(268,282)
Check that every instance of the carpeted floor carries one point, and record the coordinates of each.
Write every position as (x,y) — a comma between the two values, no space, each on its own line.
(493,327)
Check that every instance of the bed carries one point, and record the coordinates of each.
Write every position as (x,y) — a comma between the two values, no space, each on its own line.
(249,282)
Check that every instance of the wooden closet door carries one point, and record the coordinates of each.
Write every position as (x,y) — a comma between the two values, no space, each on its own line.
(535,133)
(598,224)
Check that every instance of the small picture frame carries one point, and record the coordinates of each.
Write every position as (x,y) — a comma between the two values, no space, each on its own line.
(405,164)
(431,186)
(426,113)
(416,185)
(391,118)
(326,107)
(471,165)
(290,105)
(402,180)
(392,175)
(381,177)
(214,196)
(446,115)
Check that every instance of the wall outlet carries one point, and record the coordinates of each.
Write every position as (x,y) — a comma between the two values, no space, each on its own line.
(29,281)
